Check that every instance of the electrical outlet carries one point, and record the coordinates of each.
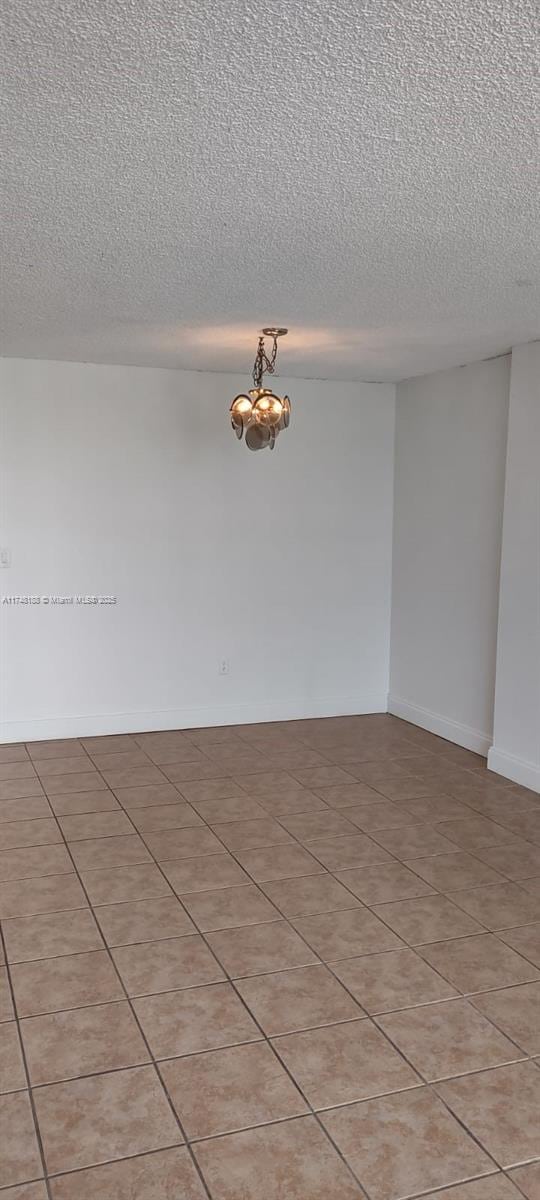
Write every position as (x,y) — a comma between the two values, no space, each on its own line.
(224,666)
(5,556)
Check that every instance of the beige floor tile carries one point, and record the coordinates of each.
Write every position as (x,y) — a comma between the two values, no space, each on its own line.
(341,853)
(104,1117)
(346,934)
(436,808)
(127,777)
(74,980)
(257,949)
(343,1063)
(16,752)
(310,826)
(526,940)
(205,873)
(174,760)
(48,767)
(308,895)
(29,809)
(427,919)
(141,882)
(164,1175)
(475,832)
(520,860)
(410,788)
(266,783)
(143,921)
(196,1019)
(164,816)
(389,881)
(304,998)
(403,1144)
(107,760)
(244,1164)
(446,1039)
(473,964)
(250,835)
(412,841)
(15,789)
(73,803)
(525,822)
(6,1005)
(148,796)
(84,781)
(65,1045)
(449,872)
(528,1180)
(290,759)
(80,826)
(286,803)
(279,862)
(384,815)
(26,1191)
(370,772)
(12,1076)
(34,861)
(18,834)
(227,908)
(191,770)
(516,1010)
(230,1089)
(51,893)
(232,760)
(233,808)
(21,769)
(51,935)
(20,1158)
(345,795)
(103,852)
(499,905)
(494,1187)
(166,965)
(183,843)
(501,1108)
(323,777)
(399,979)
(203,790)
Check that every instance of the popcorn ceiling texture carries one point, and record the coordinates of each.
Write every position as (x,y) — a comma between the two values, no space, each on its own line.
(178,173)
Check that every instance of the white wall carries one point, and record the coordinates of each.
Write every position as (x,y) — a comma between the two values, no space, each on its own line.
(516,740)
(129,481)
(449,491)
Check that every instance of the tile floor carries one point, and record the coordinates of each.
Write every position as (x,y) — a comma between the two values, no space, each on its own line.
(295,961)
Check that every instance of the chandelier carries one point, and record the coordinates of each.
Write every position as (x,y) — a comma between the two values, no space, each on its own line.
(259,413)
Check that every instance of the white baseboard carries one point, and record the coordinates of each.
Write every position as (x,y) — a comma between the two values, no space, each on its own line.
(453,731)
(40,729)
(516,769)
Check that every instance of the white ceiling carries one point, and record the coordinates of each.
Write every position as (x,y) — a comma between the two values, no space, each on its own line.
(180,172)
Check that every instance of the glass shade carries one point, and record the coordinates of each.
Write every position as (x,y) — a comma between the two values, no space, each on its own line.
(257,437)
(268,409)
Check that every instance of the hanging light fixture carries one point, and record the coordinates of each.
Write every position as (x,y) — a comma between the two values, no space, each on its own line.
(259,413)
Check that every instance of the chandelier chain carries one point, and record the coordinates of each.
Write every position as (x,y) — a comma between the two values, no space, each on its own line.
(263,363)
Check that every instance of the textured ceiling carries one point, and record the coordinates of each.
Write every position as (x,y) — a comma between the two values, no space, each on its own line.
(179,172)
